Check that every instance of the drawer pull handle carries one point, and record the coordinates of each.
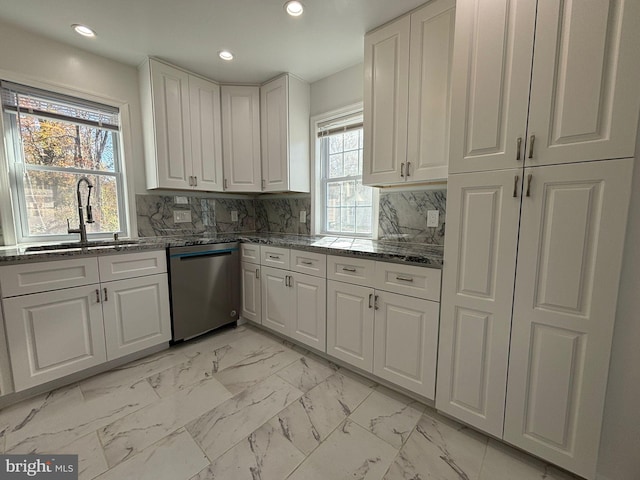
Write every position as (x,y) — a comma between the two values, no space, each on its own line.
(257,273)
(97,295)
(275,257)
(515,186)
(349,269)
(404,279)
(105,294)
(306,262)
(519,147)
(375,303)
(370,300)
(532,141)
(529,178)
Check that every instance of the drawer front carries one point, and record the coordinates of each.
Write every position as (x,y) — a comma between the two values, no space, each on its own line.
(250,252)
(27,278)
(308,262)
(274,256)
(351,270)
(130,265)
(410,280)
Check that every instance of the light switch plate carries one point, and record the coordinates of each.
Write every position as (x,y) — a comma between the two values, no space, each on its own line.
(432,218)
(182,216)
(181,201)
(303,216)
(234,215)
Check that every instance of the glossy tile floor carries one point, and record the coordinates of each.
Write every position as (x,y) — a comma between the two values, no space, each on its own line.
(241,404)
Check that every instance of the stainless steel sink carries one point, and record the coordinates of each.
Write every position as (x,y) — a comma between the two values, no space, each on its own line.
(86,245)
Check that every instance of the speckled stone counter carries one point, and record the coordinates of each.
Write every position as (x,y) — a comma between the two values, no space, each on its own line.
(424,255)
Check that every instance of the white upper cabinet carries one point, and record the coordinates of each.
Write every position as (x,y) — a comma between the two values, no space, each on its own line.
(284,125)
(585,88)
(406,97)
(181,128)
(575,99)
(206,134)
(241,138)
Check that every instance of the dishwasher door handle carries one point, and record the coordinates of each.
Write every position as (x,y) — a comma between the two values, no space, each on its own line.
(208,253)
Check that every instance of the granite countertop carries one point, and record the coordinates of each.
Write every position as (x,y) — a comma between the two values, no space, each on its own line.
(417,254)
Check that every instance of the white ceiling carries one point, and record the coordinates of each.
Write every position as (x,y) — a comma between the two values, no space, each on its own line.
(266,41)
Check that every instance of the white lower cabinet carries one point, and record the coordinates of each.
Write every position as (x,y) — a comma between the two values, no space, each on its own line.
(135,312)
(64,329)
(406,342)
(390,335)
(350,323)
(544,316)
(309,310)
(251,292)
(294,304)
(54,334)
(276,310)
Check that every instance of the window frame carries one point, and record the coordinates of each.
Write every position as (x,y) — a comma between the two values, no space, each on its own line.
(318,192)
(15,228)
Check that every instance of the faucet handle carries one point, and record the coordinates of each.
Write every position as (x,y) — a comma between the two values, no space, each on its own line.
(89,215)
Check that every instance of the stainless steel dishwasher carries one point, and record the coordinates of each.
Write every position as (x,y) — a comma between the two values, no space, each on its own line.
(205,288)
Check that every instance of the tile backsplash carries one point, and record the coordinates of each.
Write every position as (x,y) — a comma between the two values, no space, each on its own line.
(402,215)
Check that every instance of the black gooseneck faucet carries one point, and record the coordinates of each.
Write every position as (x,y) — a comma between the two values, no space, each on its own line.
(82,227)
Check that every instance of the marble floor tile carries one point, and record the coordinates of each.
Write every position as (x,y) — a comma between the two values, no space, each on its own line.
(69,418)
(309,420)
(229,423)
(439,448)
(256,367)
(91,461)
(350,452)
(502,462)
(131,434)
(265,455)
(388,415)
(205,363)
(175,457)
(307,372)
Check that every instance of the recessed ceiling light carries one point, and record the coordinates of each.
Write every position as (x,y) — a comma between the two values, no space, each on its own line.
(83,30)
(225,55)
(294,8)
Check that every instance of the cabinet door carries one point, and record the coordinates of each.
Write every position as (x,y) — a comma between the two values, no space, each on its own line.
(170,90)
(274,126)
(569,261)
(386,74)
(276,299)
(309,310)
(206,134)
(251,294)
(350,323)
(406,342)
(585,90)
(477,293)
(54,334)
(432,29)
(241,138)
(136,314)
(490,83)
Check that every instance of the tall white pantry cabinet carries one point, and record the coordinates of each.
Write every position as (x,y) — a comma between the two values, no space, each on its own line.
(545,102)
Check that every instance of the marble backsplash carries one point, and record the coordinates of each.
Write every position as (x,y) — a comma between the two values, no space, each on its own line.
(402,215)
(208,215)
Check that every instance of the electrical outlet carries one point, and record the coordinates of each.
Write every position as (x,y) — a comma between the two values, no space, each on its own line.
(234,215)
(182,216)
(181,201)
(432,218)
(303,216)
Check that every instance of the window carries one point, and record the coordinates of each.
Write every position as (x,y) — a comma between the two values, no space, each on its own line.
(347,205)
(54,141)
